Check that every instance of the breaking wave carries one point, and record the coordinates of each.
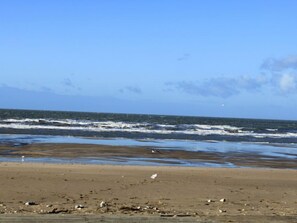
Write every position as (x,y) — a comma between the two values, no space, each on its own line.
(142,128)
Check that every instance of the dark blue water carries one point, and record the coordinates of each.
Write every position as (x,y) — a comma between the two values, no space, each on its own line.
(129,126)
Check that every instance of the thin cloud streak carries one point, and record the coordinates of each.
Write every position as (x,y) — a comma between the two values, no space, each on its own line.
(184,57)
(220,87)
(131,89)
(274,65)
(68,82)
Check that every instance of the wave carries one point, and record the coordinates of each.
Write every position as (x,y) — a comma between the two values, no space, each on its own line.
(141,127)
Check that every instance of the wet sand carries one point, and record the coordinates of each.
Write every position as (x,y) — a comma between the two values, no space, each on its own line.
(122,155)
(181,192)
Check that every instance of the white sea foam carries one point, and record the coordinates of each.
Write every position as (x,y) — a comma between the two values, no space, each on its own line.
(272,130)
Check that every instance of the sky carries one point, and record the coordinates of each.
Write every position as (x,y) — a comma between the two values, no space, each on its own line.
(201,58)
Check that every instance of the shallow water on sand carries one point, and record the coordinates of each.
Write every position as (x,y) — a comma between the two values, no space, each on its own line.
(222,149)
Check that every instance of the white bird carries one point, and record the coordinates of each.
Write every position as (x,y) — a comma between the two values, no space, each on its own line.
(23,158)
(155,151)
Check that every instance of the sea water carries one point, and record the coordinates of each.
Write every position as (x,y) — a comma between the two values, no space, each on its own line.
(269,138)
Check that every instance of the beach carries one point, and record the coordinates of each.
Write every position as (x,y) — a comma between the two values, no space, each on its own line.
(69,167)
(148,111)
(129,190)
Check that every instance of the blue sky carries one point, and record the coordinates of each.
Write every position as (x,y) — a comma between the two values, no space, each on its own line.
(202,58)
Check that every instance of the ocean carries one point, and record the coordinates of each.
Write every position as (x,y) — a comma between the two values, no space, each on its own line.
(272,139)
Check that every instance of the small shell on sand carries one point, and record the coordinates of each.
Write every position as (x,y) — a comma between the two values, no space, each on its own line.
(78,206)
(154,176)
(28,203)
(102,204)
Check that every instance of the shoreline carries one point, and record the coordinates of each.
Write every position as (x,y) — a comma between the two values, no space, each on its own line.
(129,190)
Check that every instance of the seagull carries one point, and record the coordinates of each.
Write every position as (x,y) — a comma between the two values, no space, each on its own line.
(23,159)
(155,151)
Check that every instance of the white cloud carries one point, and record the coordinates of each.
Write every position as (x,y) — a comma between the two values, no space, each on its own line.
(288,82)
(282,73)
(280,76)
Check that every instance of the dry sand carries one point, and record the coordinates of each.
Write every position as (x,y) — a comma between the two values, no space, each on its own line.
(129,190)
